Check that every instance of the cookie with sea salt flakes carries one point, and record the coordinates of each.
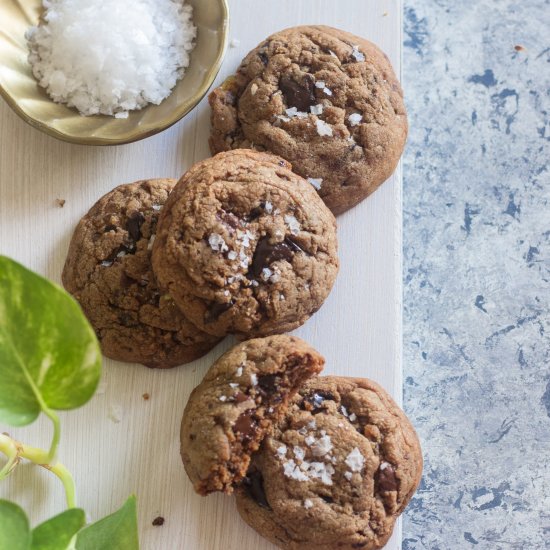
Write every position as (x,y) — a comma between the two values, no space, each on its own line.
(232,409)
(336,472)
(323,99)
(245,246)
(108,270)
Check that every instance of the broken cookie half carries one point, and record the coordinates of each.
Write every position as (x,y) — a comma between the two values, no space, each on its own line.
(316,462)
(236,406)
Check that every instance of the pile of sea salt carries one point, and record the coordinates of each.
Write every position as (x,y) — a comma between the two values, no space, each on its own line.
(111,56)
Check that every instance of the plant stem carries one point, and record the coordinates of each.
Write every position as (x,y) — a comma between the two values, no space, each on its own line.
(15,450)
(52,415)
(9,448)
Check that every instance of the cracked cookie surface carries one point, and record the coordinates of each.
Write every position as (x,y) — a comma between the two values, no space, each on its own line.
(235,405)
(108,270)
(336,471)
(325,100)
(245,246)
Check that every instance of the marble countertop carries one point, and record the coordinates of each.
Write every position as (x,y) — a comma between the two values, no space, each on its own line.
(477,272)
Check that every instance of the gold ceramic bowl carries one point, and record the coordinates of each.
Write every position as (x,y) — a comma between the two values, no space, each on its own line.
(20,89)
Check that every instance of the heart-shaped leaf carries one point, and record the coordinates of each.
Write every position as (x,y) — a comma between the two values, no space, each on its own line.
(115,532)
(15,533)
(49,354)
(57,532)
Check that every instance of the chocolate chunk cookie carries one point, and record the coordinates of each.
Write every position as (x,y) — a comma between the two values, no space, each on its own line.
(245,246)
(336,472)
(325,100)
(108,270)
(234,406)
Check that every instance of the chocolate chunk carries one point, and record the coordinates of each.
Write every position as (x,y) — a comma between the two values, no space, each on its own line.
(294,245)
(253,484)
(133,225)
(240,397)
(266,253)
(263,58)
(386,479)
(299,94)
(359,545)
(256,212)
(327,499)
(126,281)
(246,425)
(158,521)
(229,219)
(268,382)
(109,227)
(216,309)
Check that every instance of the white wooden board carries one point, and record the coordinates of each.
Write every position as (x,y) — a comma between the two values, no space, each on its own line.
(358,329)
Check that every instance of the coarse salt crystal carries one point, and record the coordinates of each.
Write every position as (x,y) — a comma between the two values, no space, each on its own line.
(309,440)
(266,273)
(322,446)
(233,385)
(307,504)
(223,398)
(157,207)
(232,255)
(234,43)
(217,243)
(359,56)
(353,417)
(151,242)
(320,84)
(254,379)
(292,224)
(355,460)
(281,451)
(299,453)
(355,119)
(348,475)
(316,109)
(101,57)
(323,129)
(268,207)
(239,371)
(253,89)
(316,182)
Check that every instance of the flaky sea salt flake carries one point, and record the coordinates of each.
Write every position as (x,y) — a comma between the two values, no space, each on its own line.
(323,129)
(316,182)
(355,119)
(355,460)
(316,109)
(359,56)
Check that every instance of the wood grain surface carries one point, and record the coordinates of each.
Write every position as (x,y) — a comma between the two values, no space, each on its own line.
(120,443)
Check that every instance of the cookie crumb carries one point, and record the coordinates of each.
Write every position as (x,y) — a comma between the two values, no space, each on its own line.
(355,460)
(115,413)
(385,14)
(60,202)
(158,521)
(146,397)
(519,48)
(151,242)
(307,504)
(323,129)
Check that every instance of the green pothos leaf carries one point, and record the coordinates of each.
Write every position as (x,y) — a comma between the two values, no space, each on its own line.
(115,532)
(15,533)
(58,532)
(49,354)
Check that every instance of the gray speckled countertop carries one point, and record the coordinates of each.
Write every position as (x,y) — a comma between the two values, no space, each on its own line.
(477,272)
